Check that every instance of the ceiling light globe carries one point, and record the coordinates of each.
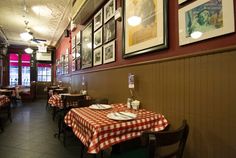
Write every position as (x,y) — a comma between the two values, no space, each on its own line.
(26,36)
(29,50)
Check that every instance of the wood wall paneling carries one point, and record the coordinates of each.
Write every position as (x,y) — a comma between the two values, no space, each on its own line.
(200,89)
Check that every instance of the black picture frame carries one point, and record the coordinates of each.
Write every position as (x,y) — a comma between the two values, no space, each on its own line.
(109,32)
(87,46)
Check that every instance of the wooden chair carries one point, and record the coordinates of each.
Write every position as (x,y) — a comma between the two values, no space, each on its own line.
(7,107)
(68,102)
(153,142)
(48,95)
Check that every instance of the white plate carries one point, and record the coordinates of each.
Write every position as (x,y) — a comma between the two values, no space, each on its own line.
(121,116)
(100,106)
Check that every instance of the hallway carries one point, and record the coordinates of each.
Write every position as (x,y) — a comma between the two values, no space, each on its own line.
(31,135)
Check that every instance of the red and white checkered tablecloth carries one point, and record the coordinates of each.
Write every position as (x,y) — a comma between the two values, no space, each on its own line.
(55,100)
(98,132)
(3,100)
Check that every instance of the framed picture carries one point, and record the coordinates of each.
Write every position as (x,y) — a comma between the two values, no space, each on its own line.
(78,52)
(109,10)
(205,19)
(145,26)
(98,20)
(78,64)
(182,1)
(73,41)
(97,56)
(97,39)
(109,52)
(73,53)
(87,51)
(109,30)
(73,65)
(78,37)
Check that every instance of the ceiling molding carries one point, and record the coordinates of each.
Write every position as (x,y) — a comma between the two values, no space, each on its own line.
(87,10)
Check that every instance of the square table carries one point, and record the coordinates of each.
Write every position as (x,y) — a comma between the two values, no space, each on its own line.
(97,132)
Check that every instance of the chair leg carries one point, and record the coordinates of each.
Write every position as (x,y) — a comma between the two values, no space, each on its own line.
(82,151)
(9,113)
(64,135)
(53,113)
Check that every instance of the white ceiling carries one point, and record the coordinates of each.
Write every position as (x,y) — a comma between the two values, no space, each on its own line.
(13,13)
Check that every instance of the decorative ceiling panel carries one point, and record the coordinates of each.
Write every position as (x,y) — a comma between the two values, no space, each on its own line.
(13,13)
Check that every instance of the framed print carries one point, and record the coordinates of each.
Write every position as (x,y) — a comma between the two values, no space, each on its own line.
(97,20)
(97,56)
(73,41)
(109,10)
(87,46)
(97,38)
(73,53)
(73,65)
(145,26)
(109,52)
(181,1)
(78,37)
(78,52)
(78,64)
(109,30)
(205,19)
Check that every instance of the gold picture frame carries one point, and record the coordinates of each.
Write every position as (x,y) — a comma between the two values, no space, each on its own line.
(145,26)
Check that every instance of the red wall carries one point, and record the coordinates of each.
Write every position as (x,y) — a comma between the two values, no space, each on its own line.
(173,49)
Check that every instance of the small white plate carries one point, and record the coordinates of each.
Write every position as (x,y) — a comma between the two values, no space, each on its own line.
(121,116)
(100,106)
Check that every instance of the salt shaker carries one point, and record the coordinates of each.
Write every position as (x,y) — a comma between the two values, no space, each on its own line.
(129,100)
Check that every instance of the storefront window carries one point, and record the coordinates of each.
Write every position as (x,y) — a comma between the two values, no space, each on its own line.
(25,69)
(13,79)
(44,72)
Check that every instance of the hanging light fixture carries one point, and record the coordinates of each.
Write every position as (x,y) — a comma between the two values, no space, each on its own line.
(29,50)
(26,36)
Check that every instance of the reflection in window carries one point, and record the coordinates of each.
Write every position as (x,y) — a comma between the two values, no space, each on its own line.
(44,72)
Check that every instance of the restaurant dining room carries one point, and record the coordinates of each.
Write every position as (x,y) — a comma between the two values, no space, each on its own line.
(117,79)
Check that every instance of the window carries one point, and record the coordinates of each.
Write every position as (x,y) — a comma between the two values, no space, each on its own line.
(44,72)
(13,79)
(25,69)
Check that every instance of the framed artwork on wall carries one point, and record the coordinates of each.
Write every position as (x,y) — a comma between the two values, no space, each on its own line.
(205,19)
(78,37)
(97,56)
(78,64)
(145,26)
(73,65)
(109,30)
(97,38)
(98,20)
(73,53)
(109,10)
(109,52)
(73,40)
(87,46)
(182,1)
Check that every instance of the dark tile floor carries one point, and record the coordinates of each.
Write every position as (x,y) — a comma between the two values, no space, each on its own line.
(31,135)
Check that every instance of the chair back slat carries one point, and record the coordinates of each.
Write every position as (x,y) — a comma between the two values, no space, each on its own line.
(160,139)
